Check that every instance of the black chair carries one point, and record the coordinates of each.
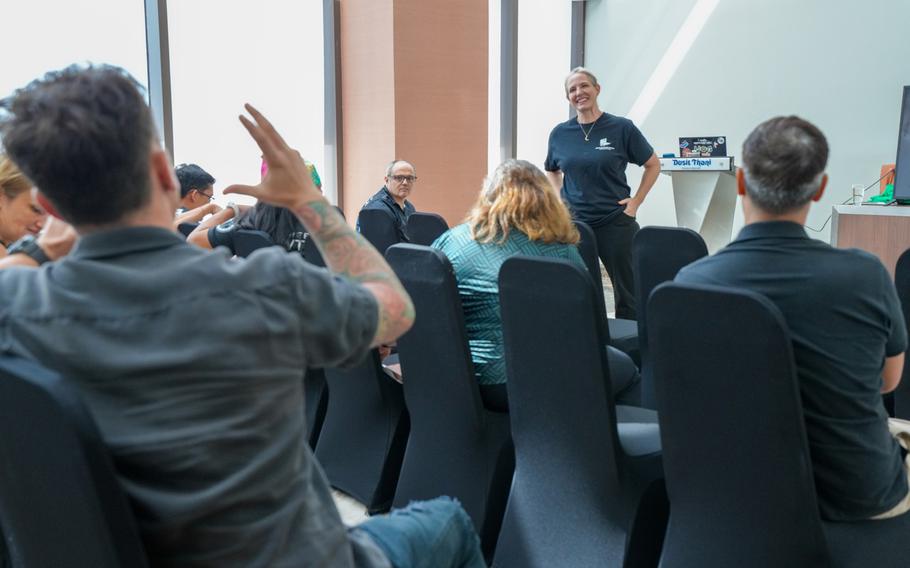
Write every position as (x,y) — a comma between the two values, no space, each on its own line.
(378,228)
(316,402)
(456,447)
(737,464)
(623,333)
(424,228)
(658,254)
(60,502)
(586,492)
(900,399)
(186,228)
(245,241)
(362,440)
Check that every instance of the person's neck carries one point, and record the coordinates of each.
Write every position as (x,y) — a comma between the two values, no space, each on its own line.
(753,214)
(589,116)
(152,215)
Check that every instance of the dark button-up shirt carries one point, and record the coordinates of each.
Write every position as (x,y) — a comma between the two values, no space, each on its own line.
(383,201)
(192,365)
(844,319)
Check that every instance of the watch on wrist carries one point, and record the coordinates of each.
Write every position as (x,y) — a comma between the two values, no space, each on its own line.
(235,208)
(28,245)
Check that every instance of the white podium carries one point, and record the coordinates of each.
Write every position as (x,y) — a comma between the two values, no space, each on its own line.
(704,195)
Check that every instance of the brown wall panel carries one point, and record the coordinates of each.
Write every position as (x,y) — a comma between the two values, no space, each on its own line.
(367,98)
(441,98)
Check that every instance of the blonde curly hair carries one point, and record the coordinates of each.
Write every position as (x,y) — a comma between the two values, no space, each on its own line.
(12,181)
(517,195)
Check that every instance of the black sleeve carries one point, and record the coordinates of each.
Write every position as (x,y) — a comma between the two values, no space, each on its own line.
(222,235)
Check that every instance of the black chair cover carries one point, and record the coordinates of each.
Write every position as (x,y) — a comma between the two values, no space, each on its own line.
(658,254)
(60,502)
(457,447)
(586,492)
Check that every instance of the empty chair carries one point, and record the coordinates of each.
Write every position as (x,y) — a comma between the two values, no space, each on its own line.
(424,228)
(378,228)
(658,254)
(901,396)
(736,457)
(623,333)
(363,435)
(245,241)
(586,492)
(456,446)
(60,503)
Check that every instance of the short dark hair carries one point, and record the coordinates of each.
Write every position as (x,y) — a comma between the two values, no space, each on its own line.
(783,162)
(192,177)
(83,136)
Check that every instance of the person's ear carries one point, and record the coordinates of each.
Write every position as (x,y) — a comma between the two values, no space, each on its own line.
(821,188)
(162,172)
(740,182)
(47,205)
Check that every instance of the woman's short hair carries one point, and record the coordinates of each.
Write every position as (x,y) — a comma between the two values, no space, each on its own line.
(12,181)
(583,71)
(517,195)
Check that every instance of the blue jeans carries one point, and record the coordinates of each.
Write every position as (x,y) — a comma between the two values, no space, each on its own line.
(436,533)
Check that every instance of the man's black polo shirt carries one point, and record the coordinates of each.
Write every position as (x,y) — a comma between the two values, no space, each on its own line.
(845,319)
(383,201)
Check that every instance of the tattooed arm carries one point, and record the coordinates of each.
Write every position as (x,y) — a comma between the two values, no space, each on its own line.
(288,184)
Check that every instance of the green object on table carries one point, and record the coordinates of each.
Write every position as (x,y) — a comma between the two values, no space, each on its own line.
(887,196)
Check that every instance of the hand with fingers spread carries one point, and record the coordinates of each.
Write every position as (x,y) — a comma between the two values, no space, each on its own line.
(287,182)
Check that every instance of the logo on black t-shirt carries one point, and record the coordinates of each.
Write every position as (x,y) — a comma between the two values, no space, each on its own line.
(605,145)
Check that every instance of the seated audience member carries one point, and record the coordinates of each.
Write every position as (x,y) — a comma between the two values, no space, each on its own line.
(842,311)
(20,215)
(400,177)
(196,194)
(205,421)
(517,213)
(282,225)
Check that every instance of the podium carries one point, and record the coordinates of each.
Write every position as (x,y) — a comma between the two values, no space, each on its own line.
(704,195)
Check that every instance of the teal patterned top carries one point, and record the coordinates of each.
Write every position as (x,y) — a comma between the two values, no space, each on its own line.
(477,271)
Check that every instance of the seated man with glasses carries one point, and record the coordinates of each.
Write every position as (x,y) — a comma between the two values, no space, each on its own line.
(196,194)
(400,177)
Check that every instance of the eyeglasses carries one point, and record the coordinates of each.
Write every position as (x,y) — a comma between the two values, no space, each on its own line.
(402,179)
(210,196)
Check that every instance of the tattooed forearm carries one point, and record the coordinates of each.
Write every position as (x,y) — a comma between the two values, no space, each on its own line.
(347,253)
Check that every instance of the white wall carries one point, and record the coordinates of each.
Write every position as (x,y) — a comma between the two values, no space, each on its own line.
(839,64)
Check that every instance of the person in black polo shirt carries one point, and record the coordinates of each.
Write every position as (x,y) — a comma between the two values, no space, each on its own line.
(400,178)
(586,160)
(843,312)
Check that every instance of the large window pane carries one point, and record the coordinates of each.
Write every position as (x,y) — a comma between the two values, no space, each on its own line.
(42,35)
(544,27)
(224,54)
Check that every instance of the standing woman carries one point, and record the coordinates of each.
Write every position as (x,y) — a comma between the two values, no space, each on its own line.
(586,160)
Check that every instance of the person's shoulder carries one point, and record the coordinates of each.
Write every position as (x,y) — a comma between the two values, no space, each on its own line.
(455,237)
(703,270)
(855,263)
(620,122)
(376,200)
(562,127)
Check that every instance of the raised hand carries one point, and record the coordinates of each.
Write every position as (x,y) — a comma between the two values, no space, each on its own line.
(288,182)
